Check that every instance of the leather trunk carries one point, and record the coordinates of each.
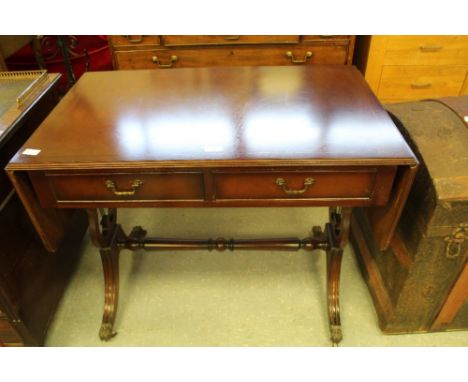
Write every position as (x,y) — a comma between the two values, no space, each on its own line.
(420,283)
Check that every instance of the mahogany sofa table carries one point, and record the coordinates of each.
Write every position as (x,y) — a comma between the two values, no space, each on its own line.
(216,137)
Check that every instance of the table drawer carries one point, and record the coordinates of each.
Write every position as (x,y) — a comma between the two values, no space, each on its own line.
(187,40)
(102,187)
(418,82)
(149,59)
(426,50)
(359,184)
(134,41)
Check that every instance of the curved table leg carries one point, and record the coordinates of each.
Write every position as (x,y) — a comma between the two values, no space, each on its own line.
(334,256)
(110,266)
(337,231)
(104,233)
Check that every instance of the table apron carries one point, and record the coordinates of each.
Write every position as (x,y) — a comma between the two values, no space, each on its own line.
(327,186)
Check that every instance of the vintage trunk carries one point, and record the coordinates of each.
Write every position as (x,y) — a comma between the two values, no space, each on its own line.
(420,284)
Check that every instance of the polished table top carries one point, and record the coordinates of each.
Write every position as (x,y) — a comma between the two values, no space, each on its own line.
(312,115)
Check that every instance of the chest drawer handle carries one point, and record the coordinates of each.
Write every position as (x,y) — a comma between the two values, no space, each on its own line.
(430,48)
(290,55)
(134,40)
(421,86)
(155,59)
(283,184)
(110,184)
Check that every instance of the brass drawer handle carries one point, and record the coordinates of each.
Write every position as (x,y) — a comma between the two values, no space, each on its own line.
(174,59)
(134,40)
(283,184)
(296,61)
(421,86)
(110,184)
(455,242)
(231,38)
(430,48)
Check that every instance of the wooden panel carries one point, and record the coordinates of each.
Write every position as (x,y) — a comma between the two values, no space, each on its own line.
(427,50)
(122,187)
(330,39)
(455,300)
(374,63)
(134,41)
(7,333)
(231,56)
(179,40)
(465,86)
(419,82)
(357,184)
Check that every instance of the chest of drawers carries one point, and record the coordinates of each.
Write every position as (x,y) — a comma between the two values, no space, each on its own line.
(403,68)
(178,51)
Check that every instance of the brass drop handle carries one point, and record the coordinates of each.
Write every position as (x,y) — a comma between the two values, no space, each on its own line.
(280,182)
(421,86)
(455,241)
(134,40)
(110,184)
(231,38)
(290,55)
(155,59)
(430,48)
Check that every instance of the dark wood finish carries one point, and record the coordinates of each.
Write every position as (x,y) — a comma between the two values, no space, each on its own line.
(337,231)
(345,185)
(178,51)
(31,280)
(210,137)
(91,187)
(333,120)
(418,282)
(105,239)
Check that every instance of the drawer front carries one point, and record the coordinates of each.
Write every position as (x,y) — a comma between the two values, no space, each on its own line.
(55,188)
(134,41)
(327,39)
(187,40)
(418,82)
(318,185)
(426,50)
(180,58)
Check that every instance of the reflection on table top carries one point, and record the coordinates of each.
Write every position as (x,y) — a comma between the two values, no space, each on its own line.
(310,114)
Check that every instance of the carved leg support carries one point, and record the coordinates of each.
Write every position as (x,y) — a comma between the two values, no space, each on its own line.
(110,266)
(109,237)
(106,239)
(337,231)
(334,256)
